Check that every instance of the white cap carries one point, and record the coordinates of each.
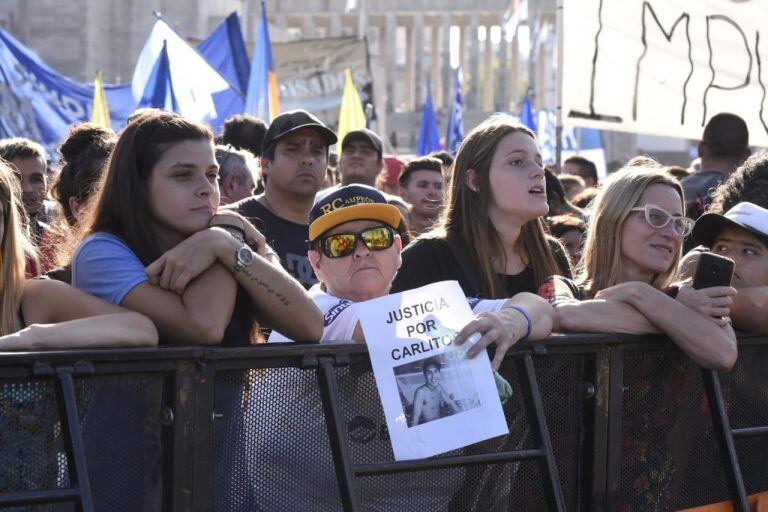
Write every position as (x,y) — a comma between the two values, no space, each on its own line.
(747,216)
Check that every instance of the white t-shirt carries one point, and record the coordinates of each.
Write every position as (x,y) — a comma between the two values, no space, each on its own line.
(340,316)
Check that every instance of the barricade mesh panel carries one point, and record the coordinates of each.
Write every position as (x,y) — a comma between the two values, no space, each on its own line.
(745,392)
(669,455)
(29,437)
(271,448)
(120,418)
(511,486)
(31,449)
(560,380)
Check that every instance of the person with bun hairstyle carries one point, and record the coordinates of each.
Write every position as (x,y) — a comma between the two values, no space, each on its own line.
(83,155)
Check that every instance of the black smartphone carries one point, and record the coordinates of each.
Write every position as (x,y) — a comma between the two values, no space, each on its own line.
(713,270)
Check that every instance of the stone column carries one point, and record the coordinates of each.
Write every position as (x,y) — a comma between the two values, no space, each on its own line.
(336,25)
(418,60)
(445,85)
(514,66)
(474,62)
(501,99)
(409,68)
(389,54)
(488,75)
(437,89)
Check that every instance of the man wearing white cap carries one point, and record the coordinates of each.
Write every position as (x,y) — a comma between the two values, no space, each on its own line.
(741,234)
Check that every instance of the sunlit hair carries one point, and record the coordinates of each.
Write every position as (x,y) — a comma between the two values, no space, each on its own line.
(601,256)
(465,222)
(14,252)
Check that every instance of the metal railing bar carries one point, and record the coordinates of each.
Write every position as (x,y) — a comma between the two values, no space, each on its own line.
(385,468)
(750,431)
(342,458)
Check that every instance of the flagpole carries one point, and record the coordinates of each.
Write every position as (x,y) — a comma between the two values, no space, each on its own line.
(559,87)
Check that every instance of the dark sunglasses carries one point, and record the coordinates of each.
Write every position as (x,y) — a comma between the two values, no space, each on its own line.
(343,244)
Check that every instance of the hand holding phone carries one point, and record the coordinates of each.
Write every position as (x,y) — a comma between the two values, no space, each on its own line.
(710,293)
(713,270)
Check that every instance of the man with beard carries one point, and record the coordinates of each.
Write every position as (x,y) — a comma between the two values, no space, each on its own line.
(421,185)
(293,164)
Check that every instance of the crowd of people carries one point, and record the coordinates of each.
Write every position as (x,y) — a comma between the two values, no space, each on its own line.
(165,233)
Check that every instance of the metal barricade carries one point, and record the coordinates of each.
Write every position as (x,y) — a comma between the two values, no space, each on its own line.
(300,427)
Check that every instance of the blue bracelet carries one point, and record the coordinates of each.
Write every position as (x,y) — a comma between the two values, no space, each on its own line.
(527,319)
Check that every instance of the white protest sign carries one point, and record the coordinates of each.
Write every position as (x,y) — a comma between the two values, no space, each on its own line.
(665,67)
(434,399)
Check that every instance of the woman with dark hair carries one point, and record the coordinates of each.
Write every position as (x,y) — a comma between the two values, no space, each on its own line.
(154,243)
(83,155)
(492,238)
(41,314)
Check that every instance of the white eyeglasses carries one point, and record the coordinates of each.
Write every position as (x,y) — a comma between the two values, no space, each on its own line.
(658,218)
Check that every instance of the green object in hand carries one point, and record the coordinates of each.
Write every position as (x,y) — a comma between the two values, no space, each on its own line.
(503,387)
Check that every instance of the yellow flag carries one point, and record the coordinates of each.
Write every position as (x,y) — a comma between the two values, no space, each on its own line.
(351,115)
(100,114)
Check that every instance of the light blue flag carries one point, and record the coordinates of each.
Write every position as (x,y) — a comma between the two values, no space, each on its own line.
(429,139)
(455,121)
(159,90)
(262,98)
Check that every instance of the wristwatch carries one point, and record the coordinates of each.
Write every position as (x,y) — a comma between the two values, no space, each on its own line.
(243,257)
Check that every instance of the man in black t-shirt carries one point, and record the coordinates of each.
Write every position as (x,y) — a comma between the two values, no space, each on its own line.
(293,163)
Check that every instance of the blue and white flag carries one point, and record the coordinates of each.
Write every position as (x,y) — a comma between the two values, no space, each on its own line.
(225,51)
(38,103)
(159,90)
(456,121)
(429,139)
(195,82)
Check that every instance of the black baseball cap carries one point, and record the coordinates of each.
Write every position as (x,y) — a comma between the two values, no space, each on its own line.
(366,135)
(289,122)
(352,202)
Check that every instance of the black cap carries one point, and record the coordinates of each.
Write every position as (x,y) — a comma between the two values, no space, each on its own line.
(345,204)
(366,135)
(289,122)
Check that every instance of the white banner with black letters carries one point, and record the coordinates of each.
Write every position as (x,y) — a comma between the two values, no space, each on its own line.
(665,67)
